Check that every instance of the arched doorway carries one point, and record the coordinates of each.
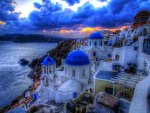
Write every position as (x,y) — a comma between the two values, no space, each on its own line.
(144,31)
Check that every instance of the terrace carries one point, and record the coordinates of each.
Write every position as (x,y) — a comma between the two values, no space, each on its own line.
(117,86)
(120,85)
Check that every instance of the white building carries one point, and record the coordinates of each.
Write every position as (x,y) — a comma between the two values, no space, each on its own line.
(143,33)
(48,69)
(142,89)
(77,67)
(144,54)
(95,47)
(113,38)
(65,85)
(125,55)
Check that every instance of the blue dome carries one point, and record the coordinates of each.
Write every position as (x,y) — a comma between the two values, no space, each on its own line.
(77,57)
(96,35)
(48,61)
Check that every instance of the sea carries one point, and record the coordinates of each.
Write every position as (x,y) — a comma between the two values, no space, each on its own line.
(14,78)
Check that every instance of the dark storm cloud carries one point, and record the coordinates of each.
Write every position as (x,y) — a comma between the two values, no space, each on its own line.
(46,16)
(116,6)
(7,10)
(103,17)
(132,6)
(86,11)
(72,2)
(115,14)
(51,16)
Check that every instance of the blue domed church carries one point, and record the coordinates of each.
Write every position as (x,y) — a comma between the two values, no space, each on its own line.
(77,66)
(60,86)
(95,47)
(48,70)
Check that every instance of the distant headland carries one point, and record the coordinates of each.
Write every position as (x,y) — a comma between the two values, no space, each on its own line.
(23,38)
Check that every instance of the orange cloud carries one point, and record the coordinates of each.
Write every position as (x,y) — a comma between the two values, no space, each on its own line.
(63,31)
(93,29)
(90,29)
(2,23)
(81,32)
(120,28)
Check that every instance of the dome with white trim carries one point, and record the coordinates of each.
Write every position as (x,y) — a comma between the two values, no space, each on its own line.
(48,61)
(77,57)
(96,35)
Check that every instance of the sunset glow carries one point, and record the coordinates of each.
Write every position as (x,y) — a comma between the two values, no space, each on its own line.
(91,29)
(67,18)
(2,23)
(64,31)
(84,32)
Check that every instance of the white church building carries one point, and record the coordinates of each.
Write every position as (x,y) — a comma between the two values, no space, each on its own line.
(95,47)
(64,85)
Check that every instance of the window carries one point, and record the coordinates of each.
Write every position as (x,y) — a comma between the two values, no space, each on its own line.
(46,83)
(100,43)
(65,70)
(109,55)
(135,48)
(137,20)
(50,70)
(44,69)
(144,31)
(90,43)
(117,58)
(95,43)
(146,46)
(94,53)
(117,38)
(83,72)
(144,64)
(73,73)
(142,19)
(106,42)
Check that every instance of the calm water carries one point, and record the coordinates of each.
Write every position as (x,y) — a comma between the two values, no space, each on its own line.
(13,77)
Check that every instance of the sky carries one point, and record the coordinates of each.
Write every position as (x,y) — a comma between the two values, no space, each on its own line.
(67,18)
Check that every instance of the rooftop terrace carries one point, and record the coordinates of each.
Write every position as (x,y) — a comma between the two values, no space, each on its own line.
(106,75)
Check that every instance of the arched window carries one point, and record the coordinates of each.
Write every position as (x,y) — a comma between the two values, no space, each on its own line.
(95,43)
(46,83)
(45,69)
(73,73)
(117,58)
(83,72)
(50,70)
(94,53)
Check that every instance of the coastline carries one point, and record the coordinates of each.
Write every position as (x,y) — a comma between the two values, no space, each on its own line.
(58,53)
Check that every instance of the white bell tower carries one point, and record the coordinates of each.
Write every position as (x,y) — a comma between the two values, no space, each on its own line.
(48,71)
